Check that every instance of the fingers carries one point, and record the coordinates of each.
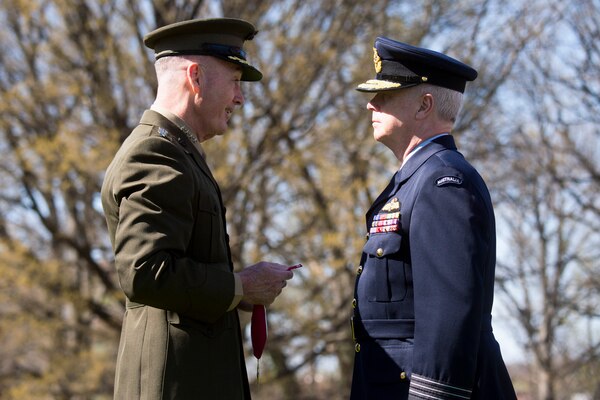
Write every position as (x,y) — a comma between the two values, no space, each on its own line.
(264,281)
(283,284)
(276,272)
(245,306)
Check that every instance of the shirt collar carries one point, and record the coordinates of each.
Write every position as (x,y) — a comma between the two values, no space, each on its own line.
(421,145)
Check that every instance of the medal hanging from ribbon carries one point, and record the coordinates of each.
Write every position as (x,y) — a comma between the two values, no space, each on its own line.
(258,332)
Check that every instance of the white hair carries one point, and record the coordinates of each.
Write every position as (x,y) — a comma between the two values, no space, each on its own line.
(448,102)
(166,65)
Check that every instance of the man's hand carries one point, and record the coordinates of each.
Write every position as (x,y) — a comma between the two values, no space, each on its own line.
(264,281)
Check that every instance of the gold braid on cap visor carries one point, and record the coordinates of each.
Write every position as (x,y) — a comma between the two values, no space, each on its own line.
(378,84)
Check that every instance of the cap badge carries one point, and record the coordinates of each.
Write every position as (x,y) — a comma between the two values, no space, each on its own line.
(376,60)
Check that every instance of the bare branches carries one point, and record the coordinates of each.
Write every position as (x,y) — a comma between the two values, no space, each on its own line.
(298,170)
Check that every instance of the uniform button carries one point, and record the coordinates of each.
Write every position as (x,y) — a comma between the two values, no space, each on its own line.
(357,347)
(402,375)
(359,270)
(379,252)
(353,303)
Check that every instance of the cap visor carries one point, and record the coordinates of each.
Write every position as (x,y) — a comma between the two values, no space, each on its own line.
(251,74)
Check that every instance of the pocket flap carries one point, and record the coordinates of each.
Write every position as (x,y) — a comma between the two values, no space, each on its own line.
(383,244)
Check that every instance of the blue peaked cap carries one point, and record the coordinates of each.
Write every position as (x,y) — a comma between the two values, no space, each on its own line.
(399,65)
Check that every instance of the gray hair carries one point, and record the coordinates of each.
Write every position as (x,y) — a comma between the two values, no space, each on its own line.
(448,102)
(165,66)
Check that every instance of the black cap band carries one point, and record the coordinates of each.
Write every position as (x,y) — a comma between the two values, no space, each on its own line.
(207,49)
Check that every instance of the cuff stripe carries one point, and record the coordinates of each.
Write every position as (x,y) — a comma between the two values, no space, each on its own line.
(430,389)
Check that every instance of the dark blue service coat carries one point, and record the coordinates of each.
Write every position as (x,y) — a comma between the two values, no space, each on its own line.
(425,286)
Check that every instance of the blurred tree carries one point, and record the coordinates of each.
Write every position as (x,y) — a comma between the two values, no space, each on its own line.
(298,169)
(549,202)
(67,87)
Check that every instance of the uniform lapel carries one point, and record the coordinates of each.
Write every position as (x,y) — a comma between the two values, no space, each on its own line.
(151,117)
(174,133)
(392,187)
(408,169)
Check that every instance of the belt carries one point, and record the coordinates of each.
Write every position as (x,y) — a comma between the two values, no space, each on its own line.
(395,328)
(382,328)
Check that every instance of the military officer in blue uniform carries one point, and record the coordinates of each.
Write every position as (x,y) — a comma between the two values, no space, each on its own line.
(422,321)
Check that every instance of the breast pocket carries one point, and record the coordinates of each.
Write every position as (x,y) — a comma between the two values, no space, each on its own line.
(384,274)
(208,243)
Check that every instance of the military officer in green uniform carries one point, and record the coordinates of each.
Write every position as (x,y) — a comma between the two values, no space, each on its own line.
(181,334)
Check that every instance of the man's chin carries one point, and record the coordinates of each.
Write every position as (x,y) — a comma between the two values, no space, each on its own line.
(378,136)
(219,132)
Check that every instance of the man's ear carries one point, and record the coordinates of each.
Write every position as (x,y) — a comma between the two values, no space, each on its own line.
(425,106)
(195,77)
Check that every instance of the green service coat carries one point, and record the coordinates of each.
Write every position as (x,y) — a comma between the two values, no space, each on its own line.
(166,222)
